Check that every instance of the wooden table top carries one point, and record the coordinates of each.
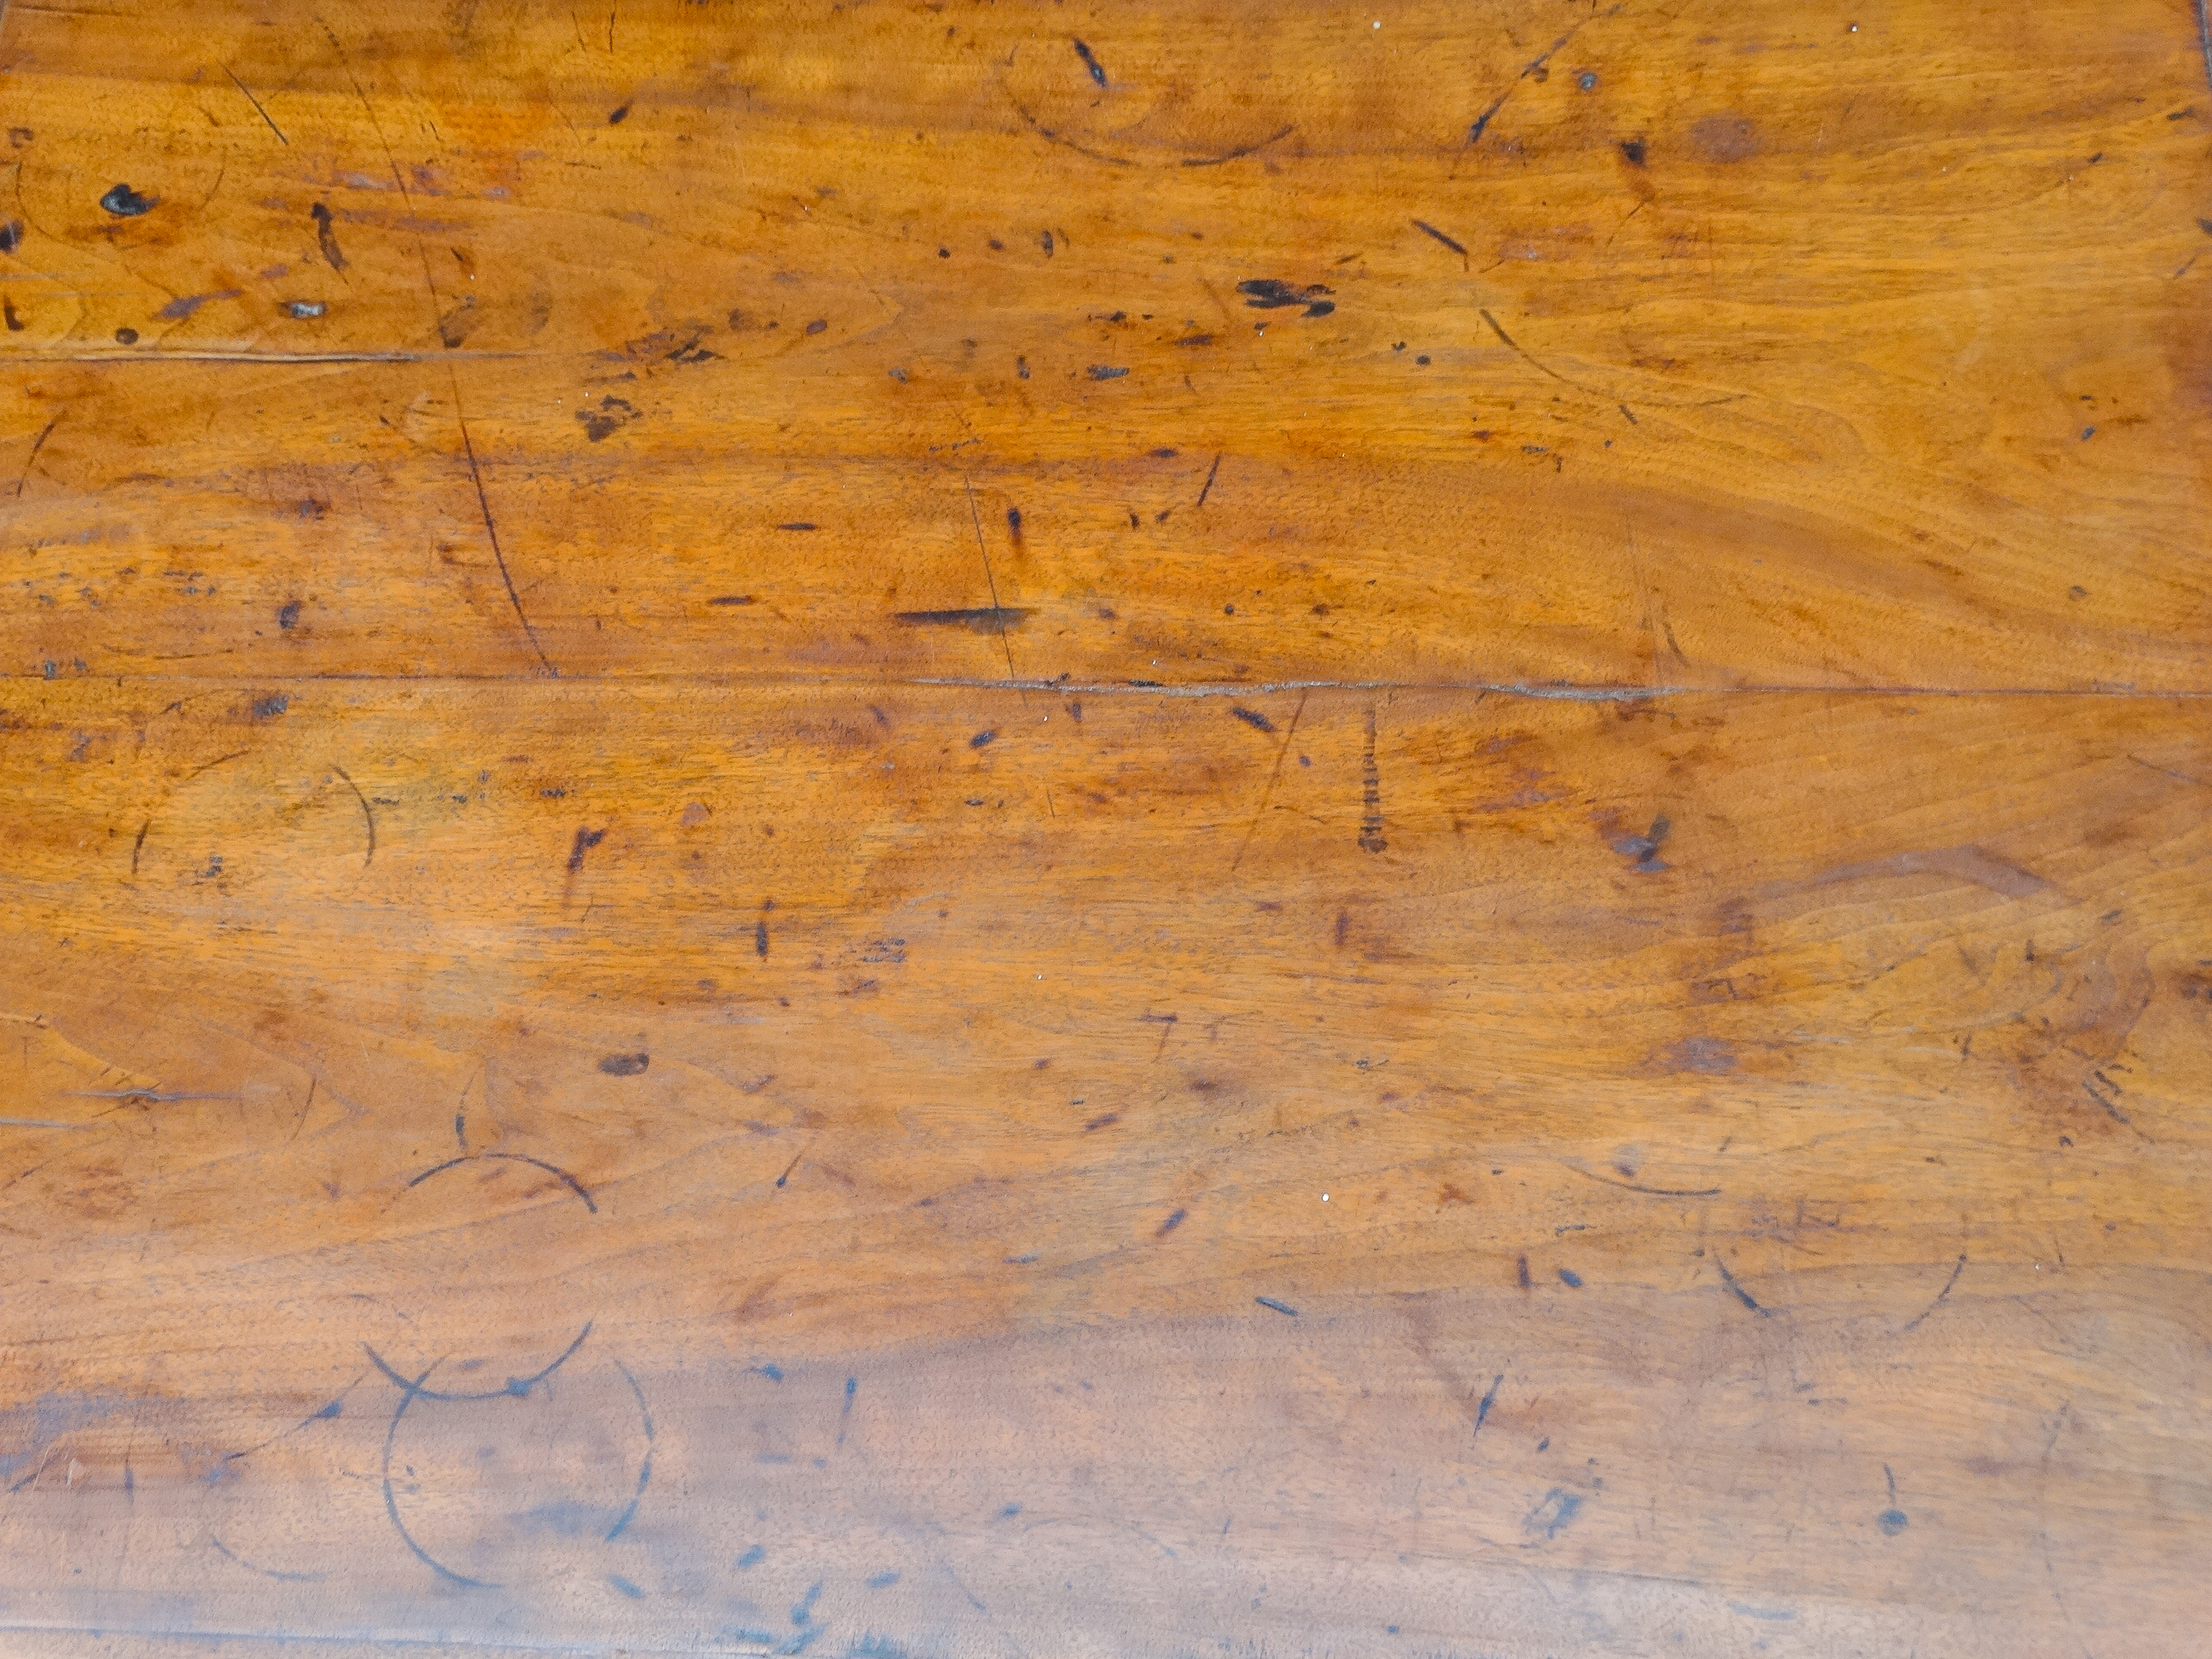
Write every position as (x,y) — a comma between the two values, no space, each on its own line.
(922,829)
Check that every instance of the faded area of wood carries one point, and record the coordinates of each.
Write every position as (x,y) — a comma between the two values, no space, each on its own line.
(913,831)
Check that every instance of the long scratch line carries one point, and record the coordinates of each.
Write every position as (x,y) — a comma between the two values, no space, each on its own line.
(990,581)
(1268,794)
(491,529)
(256,102)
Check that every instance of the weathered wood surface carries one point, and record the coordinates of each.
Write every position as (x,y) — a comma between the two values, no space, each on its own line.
(677,982)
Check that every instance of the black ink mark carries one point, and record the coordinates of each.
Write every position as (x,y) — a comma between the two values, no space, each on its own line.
(732,599)
(586,840)
(1014,527)
(1252,717)
(1065,143)
(619,114)
(1105,371)
(1536,67)
(1169,1225)
(1490,1399)
(988,619)
(1556,1509)
(182,308)
(1570,1279)
(1521,1272)
(1739,1292)
(1167,1024)
(1425,227)
(137,846)
(37,444)
(645,1468)
(1637,1186)
(15,324)
(1241,151)
(326,238)
(780,1180)
(1475,127)
(517,1386)
(1272,294)
(11,235)
(369,817)
(554,1170)
(844,1421)
(273,127)
(224,1550)
(1958,1268)
(409,1390)
(125,202)
(1103,1121)
(626,1065)
(1207,488)
(491,529)
(1633,149)
(1097,70)
(1279,1307)
(2112,1109)
(982,739)
(609,417)
(335,1407)
(1516,347)
(1644,848)
(1371,784)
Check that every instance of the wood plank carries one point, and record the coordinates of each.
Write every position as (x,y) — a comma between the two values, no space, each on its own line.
(1727,1107)
(1740,347)
(930,830)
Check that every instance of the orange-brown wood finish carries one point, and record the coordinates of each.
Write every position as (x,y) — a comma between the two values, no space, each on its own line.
(899,830)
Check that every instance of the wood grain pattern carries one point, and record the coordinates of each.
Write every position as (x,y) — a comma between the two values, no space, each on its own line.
(1408,859)
(1777,350)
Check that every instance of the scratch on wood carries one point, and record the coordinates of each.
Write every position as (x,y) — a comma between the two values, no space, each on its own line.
(369,817)
(491,529)
(1207,488)
(1958,1268)
(37,444)
(1242,150)
(1269,793)
(1475,129)
(1739,1292)
(256,102)
(1428,229)
(990,581)
(1065,143)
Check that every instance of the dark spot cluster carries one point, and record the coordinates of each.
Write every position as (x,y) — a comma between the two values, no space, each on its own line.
(609,417)
(1271,293)
(125,202)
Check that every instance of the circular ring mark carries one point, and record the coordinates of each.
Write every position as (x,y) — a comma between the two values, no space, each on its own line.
(554,1170)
